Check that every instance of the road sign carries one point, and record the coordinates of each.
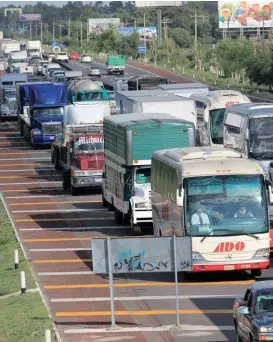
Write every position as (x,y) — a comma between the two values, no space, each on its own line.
(141,49)
(141,255)
(54,43)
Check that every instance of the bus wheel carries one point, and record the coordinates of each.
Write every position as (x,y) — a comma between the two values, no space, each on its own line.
(256,273)
(135,228)
(118,216)
(104,202)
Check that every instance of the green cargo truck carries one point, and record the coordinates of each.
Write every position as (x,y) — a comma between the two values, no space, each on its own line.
(129,141)
(115,64)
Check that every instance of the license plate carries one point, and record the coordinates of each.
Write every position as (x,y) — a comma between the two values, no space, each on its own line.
(229,267)
(98,180)
(51,138)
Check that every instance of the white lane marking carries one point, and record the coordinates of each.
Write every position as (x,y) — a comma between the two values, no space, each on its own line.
(28,183)
(182,327)
(65,273)
(73,228)
(58,210)
(59,249)
(14,148)
(38,196)
(106,299)
(35,158)
(8,138)
(22,170)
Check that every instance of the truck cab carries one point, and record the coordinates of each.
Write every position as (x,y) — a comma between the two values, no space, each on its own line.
(8,107)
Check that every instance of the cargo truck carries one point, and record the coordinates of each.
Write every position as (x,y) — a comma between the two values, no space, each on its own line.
(184,89)
(40,111)
(34,48)
(130,140)
(146,82)
(176,106)
(116,64)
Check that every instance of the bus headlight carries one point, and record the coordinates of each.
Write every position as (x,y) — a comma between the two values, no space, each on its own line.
(196,256)
(262,253)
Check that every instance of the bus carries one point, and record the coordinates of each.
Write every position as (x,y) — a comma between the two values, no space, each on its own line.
(219,199)
(248,129)
(211,107)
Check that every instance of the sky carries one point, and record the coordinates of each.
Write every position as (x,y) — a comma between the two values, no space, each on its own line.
(23,3)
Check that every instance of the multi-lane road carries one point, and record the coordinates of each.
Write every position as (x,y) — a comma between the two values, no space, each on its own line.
(56,231)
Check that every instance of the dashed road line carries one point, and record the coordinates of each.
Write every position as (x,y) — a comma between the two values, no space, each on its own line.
(144,284)
(56,202)
(30,158)
(64,219)
(34,176)
(31,170)
(29,183)
(128,299)
(141,313)
(58,211)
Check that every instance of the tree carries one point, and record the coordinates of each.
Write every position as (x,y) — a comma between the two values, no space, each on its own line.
(181,37)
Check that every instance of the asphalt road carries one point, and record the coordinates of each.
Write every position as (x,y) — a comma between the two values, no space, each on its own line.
(56,231)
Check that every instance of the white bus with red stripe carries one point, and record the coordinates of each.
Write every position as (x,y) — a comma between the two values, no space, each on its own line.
(227,192)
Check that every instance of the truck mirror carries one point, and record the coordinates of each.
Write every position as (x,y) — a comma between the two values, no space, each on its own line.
(243,310)
(180,195)
(103,175)
(270,195)
(246,134)
(73,98)
(271,164)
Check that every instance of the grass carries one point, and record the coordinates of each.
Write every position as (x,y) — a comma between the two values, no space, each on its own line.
(9,277)
(22,318)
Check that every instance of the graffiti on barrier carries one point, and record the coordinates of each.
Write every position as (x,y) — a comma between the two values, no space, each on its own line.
(134,262)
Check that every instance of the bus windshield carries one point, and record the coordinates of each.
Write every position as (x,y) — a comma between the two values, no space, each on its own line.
(217,125)
(261,142)
(225,205)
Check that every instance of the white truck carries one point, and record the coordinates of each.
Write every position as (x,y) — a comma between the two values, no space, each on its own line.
(10,47)
(17,60)
(184,89)
(130,140)
(179,107)
(34,48)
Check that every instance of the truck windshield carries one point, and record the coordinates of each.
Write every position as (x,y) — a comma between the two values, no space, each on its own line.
(57,111)
(92,96)
(9,92)
(19,61)
(217,125)
(143,175)
(225,205)
(89,144)
(261,142)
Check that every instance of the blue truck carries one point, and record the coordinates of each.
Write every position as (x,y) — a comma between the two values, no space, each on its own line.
(40,111)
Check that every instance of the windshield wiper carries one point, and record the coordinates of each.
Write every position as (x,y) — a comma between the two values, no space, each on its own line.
(233,231)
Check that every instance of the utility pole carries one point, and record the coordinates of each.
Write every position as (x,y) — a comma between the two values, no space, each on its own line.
(41,32)
(81,34)
(159,27)
(36,27)
(53,32)
(144,31)
(196,32)
(68,28)
(61,31)
(135,21)
(165,22)
(30,30)
(87,31)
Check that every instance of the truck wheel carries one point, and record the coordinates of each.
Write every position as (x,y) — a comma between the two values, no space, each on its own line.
(122,72)
(109,73)
(26,133)
(110,206)
(118,216)
(104,202)
(73,191)
(21,128)
(256,273)
(136,229)
(55,160)
(66,180)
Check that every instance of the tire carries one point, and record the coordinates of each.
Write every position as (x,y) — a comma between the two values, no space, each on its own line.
(110,206)
(104,202)
(74,191)
(256,273)
(56,162)
(250,338)
(238,338)
(26,133)
(118,216)
(66,180)
(136,229)
(122,72)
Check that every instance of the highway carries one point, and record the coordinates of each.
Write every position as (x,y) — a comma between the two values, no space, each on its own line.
(56,231)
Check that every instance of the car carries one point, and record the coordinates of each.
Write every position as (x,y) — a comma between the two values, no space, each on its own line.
(61,57)
(86,58)
(252,314)
(74,56)
(94,71)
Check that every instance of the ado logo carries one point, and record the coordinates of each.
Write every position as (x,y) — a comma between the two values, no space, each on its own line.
(229,247)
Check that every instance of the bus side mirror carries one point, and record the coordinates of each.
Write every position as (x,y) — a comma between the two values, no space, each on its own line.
(73,98)
(180,195)
(270,194)
(103,175)
(246,134)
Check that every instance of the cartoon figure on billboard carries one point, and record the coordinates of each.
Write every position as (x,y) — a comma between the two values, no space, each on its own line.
(236,14)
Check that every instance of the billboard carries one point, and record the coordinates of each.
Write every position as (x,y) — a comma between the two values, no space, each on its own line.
(30,17)
(247,14)
(152,3)
(12,10)
(147,32)
(99,25)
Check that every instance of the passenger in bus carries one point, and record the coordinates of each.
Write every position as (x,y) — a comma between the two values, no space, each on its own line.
(200,218)
(243,212)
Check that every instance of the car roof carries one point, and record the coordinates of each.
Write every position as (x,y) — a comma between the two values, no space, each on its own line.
(262,285)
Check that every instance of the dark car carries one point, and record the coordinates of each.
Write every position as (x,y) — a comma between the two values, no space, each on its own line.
(253,313)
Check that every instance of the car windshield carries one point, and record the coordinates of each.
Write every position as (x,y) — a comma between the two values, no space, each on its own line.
(89,143)
(264,303)
(143,175)
(225,205)
(57,111)
(261,138)
(217,125)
